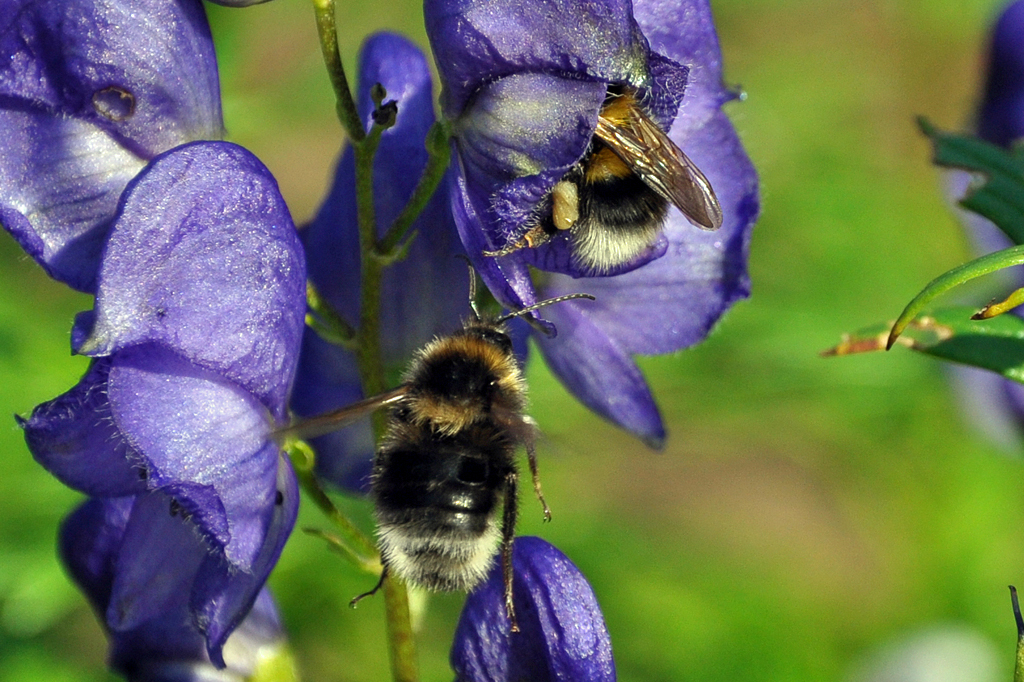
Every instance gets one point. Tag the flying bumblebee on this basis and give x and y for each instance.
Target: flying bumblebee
(448, 457)
(613, 203)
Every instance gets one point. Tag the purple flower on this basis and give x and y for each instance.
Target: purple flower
(195, 337)
(1001, 115)
(995, 404)
(97, 544)
(523, 113)
(424, 295)
(91, 91)
(562, 634)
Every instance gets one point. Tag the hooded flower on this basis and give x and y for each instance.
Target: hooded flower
(424, 295)
(90, 92)
(562, 634)
(523, 112)
(195, 337)
(994, 403)
(97, 546)
(1001, 115)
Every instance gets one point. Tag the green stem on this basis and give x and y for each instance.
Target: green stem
(326, 321)
(369, 357)
(438, 153)
(363, 550)
(345, 106)
(400, 634)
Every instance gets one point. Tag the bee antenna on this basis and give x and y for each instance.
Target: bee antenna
(543, 303)
(472, 284)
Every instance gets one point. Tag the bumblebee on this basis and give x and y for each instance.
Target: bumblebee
(447, 460)
(614, 202)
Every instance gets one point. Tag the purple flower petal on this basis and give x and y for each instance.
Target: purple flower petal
(1001, 116)
(222, 595)
(507, 277)
(73, 437)
(148, 553)
(684, 32)
(480, 41)
(156, 564)
(527, 123)
(89, 541)
(599, 372)
(262, 626)
(562, 632)
(90, 90)
(204, 258)
(205, 442)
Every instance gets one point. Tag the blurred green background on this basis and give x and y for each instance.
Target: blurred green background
(806, 513)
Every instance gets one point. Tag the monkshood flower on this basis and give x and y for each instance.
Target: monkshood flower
(995, 404)
(96, 545)
(1001, 115)
(195, 338)
(425, 294)
(562, 633)
(90, 92)
(524, 83)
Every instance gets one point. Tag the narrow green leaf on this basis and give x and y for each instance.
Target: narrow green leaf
(1000, 198)
(995, 344)
(964, 273)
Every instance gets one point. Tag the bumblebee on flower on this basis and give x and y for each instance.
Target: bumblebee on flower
(537, 133)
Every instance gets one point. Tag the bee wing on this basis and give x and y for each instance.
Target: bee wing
(340, 418)
(521, 427)
(662, 166)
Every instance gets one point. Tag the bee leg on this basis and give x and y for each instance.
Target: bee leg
(532, 239)
(508, 534)
(531, 456)
(376, 588)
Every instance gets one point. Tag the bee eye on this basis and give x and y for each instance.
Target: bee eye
(472, 471)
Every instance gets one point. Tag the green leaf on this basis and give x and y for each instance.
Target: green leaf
(1000, 198)
(995, 344)
(984, 265)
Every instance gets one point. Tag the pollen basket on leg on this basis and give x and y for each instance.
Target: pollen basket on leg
(565, 205)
